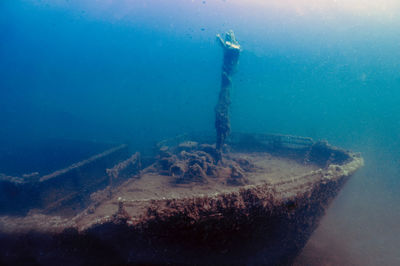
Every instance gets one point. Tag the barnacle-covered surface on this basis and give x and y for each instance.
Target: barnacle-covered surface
(171, 215)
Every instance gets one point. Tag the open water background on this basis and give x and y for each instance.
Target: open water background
(140, 71)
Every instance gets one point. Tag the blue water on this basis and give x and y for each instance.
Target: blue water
(139, 71)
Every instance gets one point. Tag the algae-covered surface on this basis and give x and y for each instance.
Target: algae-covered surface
(151, 185)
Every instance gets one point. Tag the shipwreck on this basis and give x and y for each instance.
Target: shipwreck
(244, 199)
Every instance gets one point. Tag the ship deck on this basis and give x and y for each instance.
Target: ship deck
(136, 193)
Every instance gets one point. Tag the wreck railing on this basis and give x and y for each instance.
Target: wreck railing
(70, 186)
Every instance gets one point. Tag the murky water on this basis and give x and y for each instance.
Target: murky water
(139, 71)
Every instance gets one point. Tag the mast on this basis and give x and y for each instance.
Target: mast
(231, 49)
